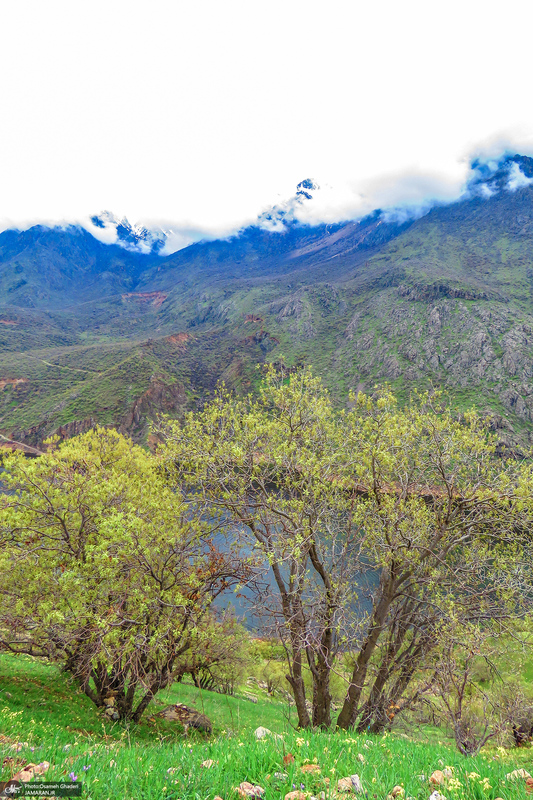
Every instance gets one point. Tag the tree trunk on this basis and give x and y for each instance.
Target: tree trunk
(348, 713)
(321, 694)
(296, 681)
(322, 664)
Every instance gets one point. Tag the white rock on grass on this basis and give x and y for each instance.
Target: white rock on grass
(436, 796)
(516, 774)
(262, 733)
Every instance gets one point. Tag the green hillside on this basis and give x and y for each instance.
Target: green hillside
(445, 301)
(44, 719)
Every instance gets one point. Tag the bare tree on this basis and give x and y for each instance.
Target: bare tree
(458, 697)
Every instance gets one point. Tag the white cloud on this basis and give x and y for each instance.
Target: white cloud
(517, 179)
(195, 116)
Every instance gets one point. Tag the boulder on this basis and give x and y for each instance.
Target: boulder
(188, 717)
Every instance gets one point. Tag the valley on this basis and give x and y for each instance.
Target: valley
(98, 333)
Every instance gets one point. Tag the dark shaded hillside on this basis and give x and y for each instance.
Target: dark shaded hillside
(54, 268)
(100, 333)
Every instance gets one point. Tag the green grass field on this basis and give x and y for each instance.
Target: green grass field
(44, 718)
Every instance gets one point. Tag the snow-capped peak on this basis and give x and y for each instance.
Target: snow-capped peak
(132, 237)
(278, 217)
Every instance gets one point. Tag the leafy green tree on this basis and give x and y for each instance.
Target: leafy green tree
(103, 568)
(381, 527)
(269, 469)
(446, 530)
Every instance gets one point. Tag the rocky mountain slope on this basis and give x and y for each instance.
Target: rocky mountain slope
(90, 331)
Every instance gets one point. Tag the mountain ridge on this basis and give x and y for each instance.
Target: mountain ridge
(101, 333)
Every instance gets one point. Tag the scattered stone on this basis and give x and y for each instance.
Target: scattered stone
(280, 776)
(529, 785)
(436, 796)
(310, 768)
(262, 733)
(110, 710)
(516, 774)
(448, 772)
(189, 717)
(217, 797)
(251, 697)
(437, 777)
(18, 746)
(247, 789)
(361, 758)
(288, 759)
(350, 784)
(30, 771)
(398, 791)
(208, 764)
(297, 795)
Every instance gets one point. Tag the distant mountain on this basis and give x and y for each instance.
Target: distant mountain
(53, 268)
(103, 332)
(507, 173)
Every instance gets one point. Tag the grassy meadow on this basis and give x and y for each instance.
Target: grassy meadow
(44, 718)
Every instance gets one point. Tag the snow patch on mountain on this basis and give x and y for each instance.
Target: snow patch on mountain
(277, 218)
(107, 227)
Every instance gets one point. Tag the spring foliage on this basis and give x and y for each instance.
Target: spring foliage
(384, 528)
(102, 568)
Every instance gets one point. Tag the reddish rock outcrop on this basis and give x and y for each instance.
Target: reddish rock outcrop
(154, 298)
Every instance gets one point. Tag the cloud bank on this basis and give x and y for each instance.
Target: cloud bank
(399, 196)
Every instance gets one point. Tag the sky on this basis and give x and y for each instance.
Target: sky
(198, 115)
